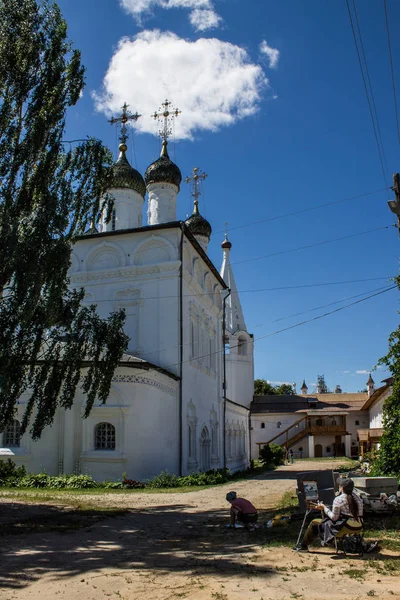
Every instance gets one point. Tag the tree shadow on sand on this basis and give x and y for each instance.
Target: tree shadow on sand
(164, 539)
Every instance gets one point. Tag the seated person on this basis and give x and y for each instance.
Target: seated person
(347, 511)
(242, 510)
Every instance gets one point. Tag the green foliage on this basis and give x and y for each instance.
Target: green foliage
(387, 461)
(263, 388)
(9, 470)
(48, 195)
(12, 476)
(273, 454)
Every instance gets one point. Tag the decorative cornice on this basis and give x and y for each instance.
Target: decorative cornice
(145, 381)
(121, 272)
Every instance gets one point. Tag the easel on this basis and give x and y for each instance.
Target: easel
(310, 492)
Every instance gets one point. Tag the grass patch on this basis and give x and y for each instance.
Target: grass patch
(357, 574)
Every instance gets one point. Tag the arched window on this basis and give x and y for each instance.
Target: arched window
(104, 437)
(279, 425)
(227, 347)
(262, 425)
(11, 435)
(242, 346)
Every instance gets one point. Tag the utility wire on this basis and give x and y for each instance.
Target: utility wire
(286, 328)
(256, 290)
(392, 70)
(322, 306)
(305, 210)
(366, 90)
(328, 313)
(370, 84)
(344, 237)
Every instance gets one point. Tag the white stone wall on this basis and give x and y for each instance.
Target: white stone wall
(240, 368)
(237, 437)
(271, 429)
(202, 365)
(143, 409)
(375, 411)
(162, 203)
(138, 272)
(128, 208)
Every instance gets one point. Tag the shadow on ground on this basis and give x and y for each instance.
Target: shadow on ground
(159, 538)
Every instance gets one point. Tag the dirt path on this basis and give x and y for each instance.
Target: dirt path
(171, 546)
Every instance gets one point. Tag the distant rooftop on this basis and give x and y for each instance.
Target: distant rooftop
(308, 402)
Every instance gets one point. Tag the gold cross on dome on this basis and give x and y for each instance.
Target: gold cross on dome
(166, 116)
(226, 228)
(195, 181)
(124, 119)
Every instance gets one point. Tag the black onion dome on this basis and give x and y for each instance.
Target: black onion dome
(163, 170)
(125, 176)
(226, 243)
(197, 224)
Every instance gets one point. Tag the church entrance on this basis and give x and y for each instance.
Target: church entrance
(205, 450)
(318, 451)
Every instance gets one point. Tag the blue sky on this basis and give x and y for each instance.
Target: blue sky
(274, 110)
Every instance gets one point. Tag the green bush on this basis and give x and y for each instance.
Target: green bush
(9, 470)
(12, 476)
(273, 454)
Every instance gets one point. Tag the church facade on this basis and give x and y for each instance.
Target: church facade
(181, 395)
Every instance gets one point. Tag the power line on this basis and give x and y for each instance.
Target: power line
(344, 237)
(305, 210)
(366, 90)
(286, 328)
(328, 313)
(278, 331)
(256, 290)
(323, 306)
(392, 70)
(370, 84)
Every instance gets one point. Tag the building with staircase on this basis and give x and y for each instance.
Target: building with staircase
(320, 425)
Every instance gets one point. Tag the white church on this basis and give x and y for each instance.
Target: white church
(168, 407)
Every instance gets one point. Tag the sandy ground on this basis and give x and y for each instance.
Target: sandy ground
(171, 546)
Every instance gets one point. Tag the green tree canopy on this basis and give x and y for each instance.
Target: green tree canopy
(48, 195)
(388, 460)
(263, 388)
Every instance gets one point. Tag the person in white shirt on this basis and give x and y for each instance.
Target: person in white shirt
(347, 510)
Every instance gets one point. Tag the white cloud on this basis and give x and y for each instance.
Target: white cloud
(271, 53)
(202, 15)
(363, 372)
(279, 382)
(213, 83)
(204, 19)
(346, 372)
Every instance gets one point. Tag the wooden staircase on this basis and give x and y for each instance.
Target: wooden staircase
(294, 437)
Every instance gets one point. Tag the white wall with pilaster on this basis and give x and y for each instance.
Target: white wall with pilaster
(128, 210)
(161, 203)
(137, 271)
(274, 423)
(202, 365)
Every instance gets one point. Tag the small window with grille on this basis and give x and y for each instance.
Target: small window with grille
(113, 219)
(12, 435)
(104, 437)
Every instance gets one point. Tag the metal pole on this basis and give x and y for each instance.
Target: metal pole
(224, 366)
